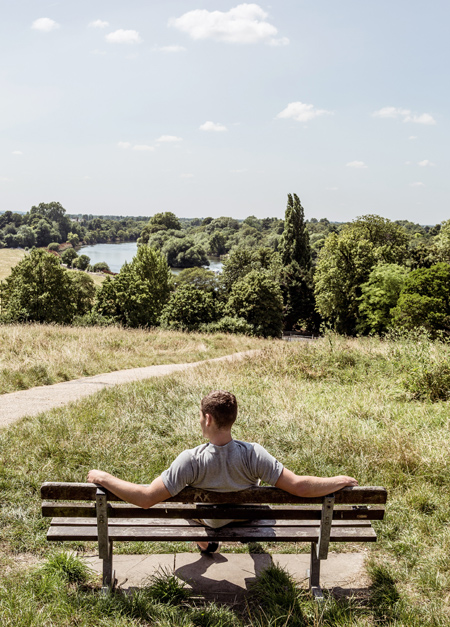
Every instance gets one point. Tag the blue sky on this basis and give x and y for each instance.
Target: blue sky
(212, 107)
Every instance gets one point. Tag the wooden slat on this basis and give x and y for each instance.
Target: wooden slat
(227, 534)
(350, 496)
(169, 510)
(182, 522)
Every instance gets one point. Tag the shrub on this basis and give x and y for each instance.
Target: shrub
(228, 324)
(258, 300)
(53, 246)
(100, 266)
(189, 307)
(68, 256)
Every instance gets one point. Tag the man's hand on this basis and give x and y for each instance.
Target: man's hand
(97, 476)
(347, 482)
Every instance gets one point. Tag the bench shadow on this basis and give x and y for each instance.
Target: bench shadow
(215, 586)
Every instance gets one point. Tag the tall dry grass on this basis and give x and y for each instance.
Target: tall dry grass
(37, 354)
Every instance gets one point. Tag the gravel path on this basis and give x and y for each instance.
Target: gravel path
(31, 402)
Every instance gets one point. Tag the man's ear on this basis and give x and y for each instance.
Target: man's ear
(208, 420)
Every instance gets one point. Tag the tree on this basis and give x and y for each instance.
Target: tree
(189, 307)
(425, 300)
(137, 295)
(258, 300)
(379, 295)
(68, 256)
(73, 239)
(82, 262)
(84, 292)
(294, 243)
(241, 261)
(201, 278)
(167, 219)
(345, 263)
(184, 253)
(296, 277)
(39, 290)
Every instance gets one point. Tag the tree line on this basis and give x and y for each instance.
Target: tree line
(49, 223)
(362, 277)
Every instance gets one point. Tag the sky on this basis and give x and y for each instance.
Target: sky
(214, 107)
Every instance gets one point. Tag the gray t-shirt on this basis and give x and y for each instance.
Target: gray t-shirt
(229, 468)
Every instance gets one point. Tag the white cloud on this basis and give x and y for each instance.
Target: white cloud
(243, 24)
(356, 164)
(412, 137)
(417, 184)
(98, 24)
(96, 51)
(332, 189)
(170, 48)
(426, 163)
(404, 114)
(17, 152)
(213, 126)
(408, 162)
(169, 138)
(4, 179)
(123, 37)
(238, 171)
(187, 176)
(143, 147)
(301, 112)
(123, 145)
(45, 24)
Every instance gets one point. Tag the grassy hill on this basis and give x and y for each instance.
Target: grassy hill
(359, 407)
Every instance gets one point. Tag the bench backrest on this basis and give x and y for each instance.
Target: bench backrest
(253, 503)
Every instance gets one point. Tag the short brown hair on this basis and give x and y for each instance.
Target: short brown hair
(222, 406)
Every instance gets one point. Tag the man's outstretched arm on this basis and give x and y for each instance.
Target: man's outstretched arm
(143, 496)
(312, 486)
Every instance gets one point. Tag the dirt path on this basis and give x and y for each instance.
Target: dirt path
(31, 402)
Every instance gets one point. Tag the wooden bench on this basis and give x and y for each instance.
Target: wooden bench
(270, 514)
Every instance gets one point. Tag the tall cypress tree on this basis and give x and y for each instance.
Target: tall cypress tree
(295, 252)
(294, 244)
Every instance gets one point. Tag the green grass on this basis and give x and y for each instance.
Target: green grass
(33, 354)
(333, 407)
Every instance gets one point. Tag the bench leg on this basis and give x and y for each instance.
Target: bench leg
(109, 578)
(314, 574)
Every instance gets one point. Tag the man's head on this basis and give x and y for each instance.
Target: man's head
(221, 406)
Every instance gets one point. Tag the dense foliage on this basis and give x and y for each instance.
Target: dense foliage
(366, 276)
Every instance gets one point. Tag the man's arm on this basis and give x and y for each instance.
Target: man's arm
(143, 496)
(312, 486)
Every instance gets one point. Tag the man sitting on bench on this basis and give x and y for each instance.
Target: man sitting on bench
(221, 465)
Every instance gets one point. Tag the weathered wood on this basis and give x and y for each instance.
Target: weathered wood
(226, 534)
(249, 512)
(325, 527)
(350, 496)
(182, 522)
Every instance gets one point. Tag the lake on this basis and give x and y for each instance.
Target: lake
(115, 255)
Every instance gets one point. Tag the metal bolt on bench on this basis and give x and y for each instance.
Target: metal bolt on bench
(270, 514)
